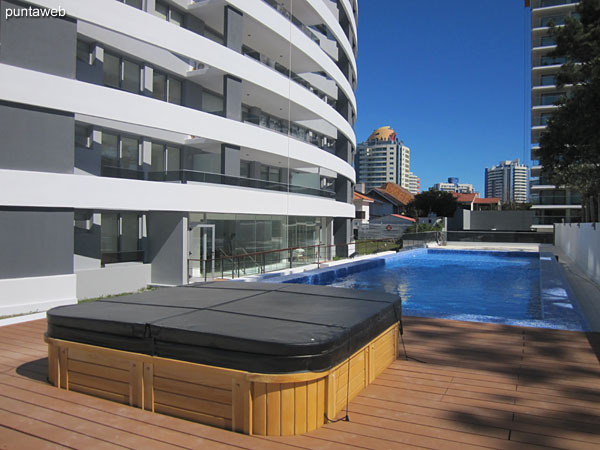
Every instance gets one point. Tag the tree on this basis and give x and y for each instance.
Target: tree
(570, 146)
(442, 203)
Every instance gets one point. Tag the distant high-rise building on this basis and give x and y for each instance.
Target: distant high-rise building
(508, 181)
(382, 158)
(453, 185)
(414, 184)
(552, 204)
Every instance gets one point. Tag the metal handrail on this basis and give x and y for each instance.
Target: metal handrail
(239, 268)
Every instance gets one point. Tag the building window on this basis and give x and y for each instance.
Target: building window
(212, 103)
(120, 238)
(83, 136)
(547, 40)
(84, 51)
(121, 73)
(214, 35)
(120, 157)
(83, 220)
(165, 159)
(135, 3)
(166, 88)
(168, 13)
(548, 80)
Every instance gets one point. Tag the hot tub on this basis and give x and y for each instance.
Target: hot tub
(259, 358)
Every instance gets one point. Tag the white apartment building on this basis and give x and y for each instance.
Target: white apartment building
(553, 204)
(382, 158)
(454, 186)
(508, 181)
(162, 142)
(414, 184)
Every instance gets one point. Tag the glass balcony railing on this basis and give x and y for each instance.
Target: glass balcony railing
(296, 131)
(247, 51)
(547, 99)
(184, 176)
(551, 60)
(288, 15)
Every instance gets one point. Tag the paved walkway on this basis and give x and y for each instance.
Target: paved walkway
(464, 386)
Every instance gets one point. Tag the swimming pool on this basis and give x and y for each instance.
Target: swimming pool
(517, 288)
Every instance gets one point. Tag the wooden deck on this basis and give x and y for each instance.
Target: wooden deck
(464, 386)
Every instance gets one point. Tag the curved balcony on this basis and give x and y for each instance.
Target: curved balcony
(146, 28)
(74, 96)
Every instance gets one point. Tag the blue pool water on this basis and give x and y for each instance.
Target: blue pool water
(514, 288)
(449, 285)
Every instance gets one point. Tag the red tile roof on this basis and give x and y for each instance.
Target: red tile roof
(397, 192)
(491, 200)
(404, 217)
(465, 198)
(359, 196)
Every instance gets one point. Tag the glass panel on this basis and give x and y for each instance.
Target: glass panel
(159, 86)
(158, 158)
(212, 103)
(82, 135)
(110, 150)
(129, 153)
(176, 17)
(129, 232)
(213, 36)
(83, 51)
(109, 233)
(111, 70)
(174, 91)
(548, 80)
(244, 169)
(273, 174)
(131, 77)
(135, 3)
(161, 10)
(547, 40)
(173, 158)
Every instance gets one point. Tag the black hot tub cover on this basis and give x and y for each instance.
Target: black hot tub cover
(257, 327)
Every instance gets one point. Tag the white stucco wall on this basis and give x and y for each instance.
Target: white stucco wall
(581, 243)
(112, 279)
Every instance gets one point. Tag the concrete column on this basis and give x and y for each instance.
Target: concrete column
(150, 6)
(147, 75)
(146, 156)
(230, 160)
(168, 247)
(233, 28)
(232, 97)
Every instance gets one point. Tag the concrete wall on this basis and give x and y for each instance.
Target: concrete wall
(36, 139)
(36, 294)
(581, 243)
(491, 220)
(112, 279)
(35, 243)
(42, 44)
(168, 247)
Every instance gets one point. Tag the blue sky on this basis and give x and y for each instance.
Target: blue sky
(450, 78)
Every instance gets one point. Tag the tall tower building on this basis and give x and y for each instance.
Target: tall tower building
(553, 204)
(382, 158)
(157, 141)
(507, 181)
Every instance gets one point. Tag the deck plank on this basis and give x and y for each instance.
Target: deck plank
(464, 386)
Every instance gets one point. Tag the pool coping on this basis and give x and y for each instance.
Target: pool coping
(558, 300)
